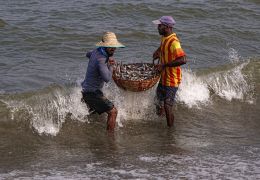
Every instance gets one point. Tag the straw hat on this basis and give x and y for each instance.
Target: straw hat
(109, 40)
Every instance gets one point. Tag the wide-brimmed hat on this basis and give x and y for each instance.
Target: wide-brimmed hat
(109, 40)
(166, 20)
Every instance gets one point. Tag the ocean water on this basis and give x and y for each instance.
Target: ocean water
(47, 133)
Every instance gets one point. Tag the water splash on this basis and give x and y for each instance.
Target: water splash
(48, 110)
(233, 56)
(50, 117)
(193, 91)
(230, 85)
(131, 105)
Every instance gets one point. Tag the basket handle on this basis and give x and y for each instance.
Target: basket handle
(156, 59)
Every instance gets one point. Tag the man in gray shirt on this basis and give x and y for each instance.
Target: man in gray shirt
(99, 71)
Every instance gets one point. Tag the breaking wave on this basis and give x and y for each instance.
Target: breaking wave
(46, 110)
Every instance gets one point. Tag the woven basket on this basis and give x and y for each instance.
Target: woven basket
(136, 85)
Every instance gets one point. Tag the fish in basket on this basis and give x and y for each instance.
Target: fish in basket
(135, 77)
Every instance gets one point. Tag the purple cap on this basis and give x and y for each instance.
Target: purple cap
(166, 20)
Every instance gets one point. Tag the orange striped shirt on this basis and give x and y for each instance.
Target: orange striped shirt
(170, 50)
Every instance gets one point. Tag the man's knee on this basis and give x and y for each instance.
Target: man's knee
(113, 111)
(168, 102)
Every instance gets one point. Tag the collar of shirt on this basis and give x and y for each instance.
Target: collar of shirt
(103, 52)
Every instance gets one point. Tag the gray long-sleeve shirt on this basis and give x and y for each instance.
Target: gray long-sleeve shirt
(98, 71)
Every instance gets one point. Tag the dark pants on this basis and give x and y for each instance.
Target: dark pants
(166, 94)
(97, 102)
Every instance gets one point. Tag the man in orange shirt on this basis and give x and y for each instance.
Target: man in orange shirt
(171, 57)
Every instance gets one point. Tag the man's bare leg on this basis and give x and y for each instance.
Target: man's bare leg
(111, 119)
(169, 114)
(160, 109)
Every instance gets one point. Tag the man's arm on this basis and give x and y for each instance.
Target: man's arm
(156, 54)
(177, 62)
(104, 70)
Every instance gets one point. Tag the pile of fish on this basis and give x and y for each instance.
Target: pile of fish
(135, 72)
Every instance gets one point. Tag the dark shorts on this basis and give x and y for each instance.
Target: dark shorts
(97, 102)
(166, 94)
